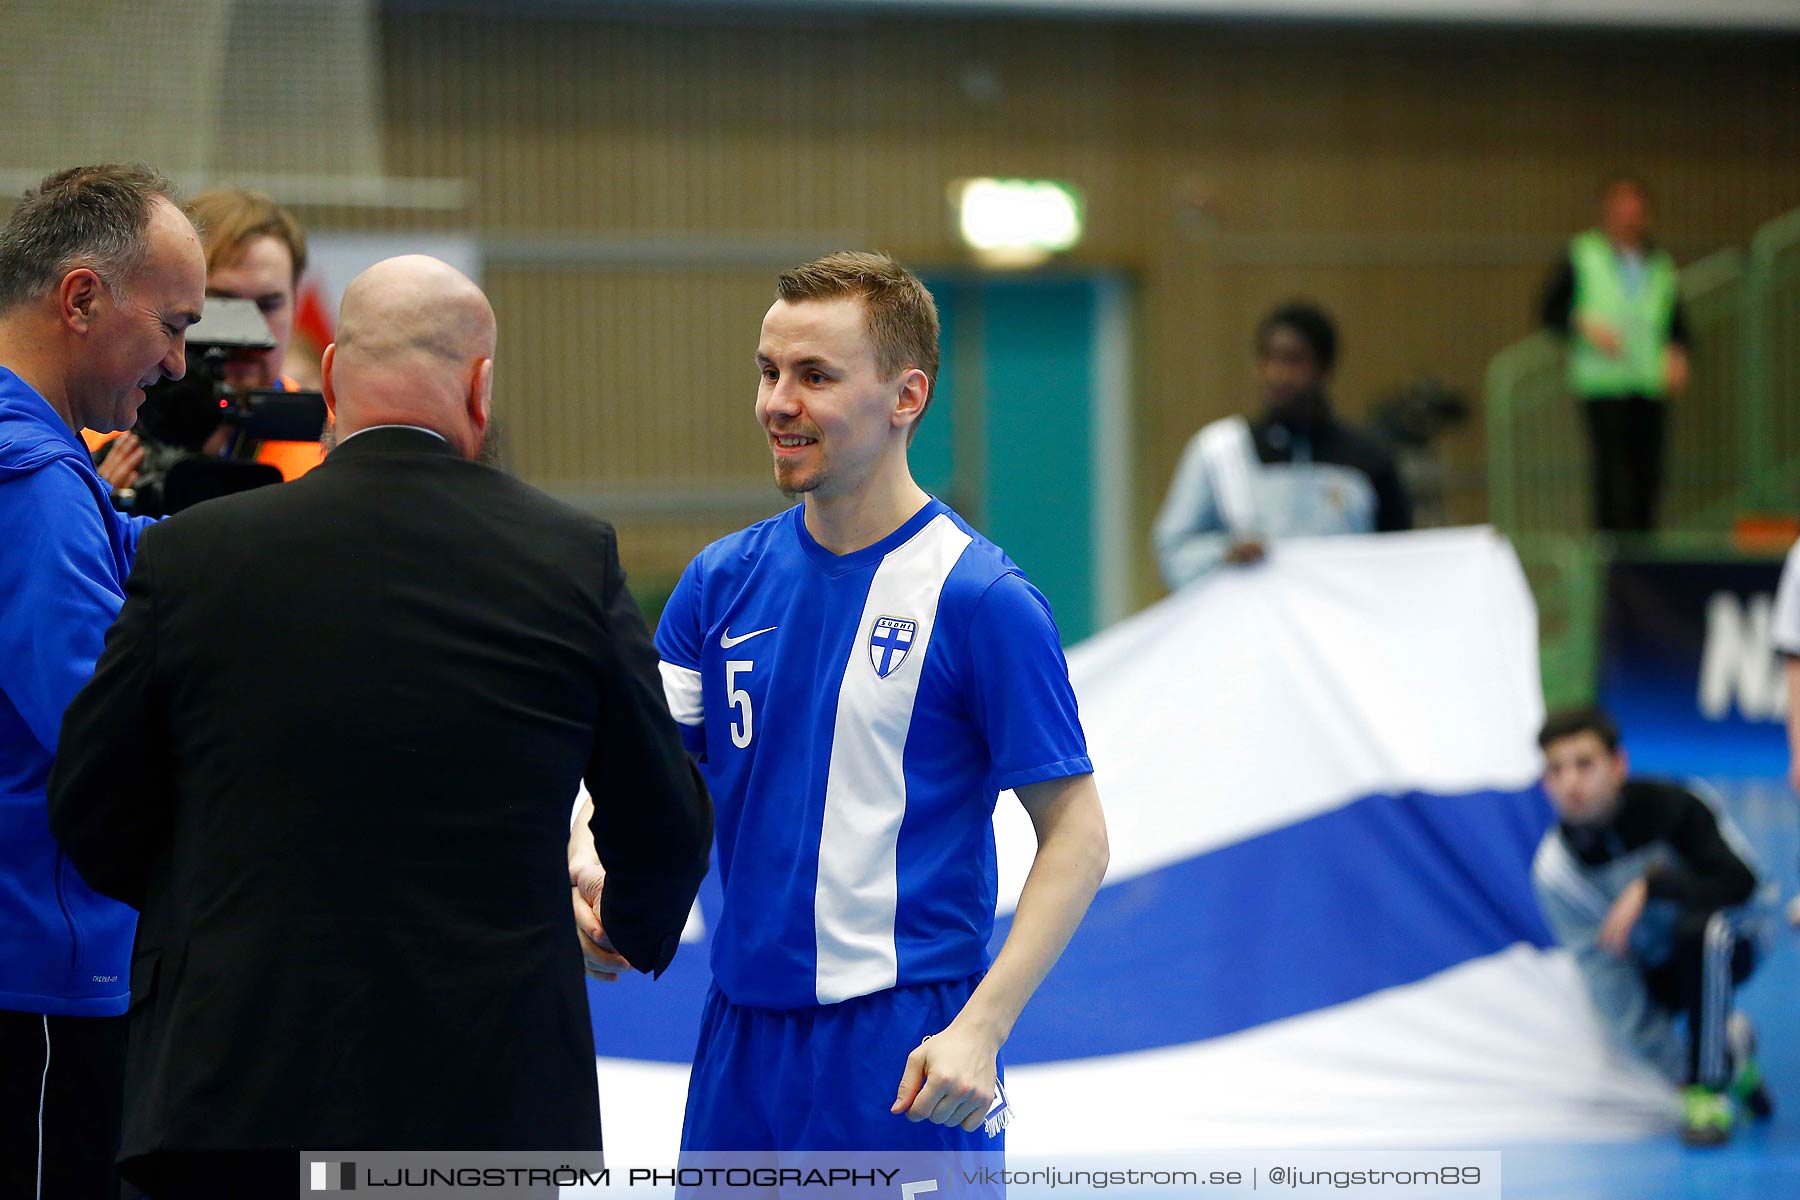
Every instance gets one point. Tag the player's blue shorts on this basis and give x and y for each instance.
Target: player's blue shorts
(820, 1079)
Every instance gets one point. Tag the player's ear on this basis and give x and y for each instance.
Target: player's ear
(913, 395)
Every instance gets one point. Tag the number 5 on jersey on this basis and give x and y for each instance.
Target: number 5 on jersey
(740, 737)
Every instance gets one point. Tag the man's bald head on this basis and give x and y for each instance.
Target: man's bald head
(415, 346)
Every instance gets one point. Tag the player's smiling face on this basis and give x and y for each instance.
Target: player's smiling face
(828, 414)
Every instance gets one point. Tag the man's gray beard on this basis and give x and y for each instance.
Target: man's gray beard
(493, 446)
(328, 439)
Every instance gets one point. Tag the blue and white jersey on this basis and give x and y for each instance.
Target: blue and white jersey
(856, 717)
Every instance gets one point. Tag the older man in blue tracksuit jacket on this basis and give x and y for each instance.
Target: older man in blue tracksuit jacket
(66, 949)
(62, 580)
(84, 327)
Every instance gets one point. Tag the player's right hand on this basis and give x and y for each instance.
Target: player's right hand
(602, 962)
(950, 1079)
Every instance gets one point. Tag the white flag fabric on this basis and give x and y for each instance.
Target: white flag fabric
(1320, 780)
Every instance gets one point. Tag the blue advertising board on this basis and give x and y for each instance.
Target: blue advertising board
(1688, 667)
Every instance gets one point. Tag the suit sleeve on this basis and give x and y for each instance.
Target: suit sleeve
(652, 821)
(111, 790)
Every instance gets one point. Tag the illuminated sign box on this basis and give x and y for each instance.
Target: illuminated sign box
(1017, 222)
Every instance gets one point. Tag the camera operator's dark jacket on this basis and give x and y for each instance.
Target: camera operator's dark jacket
(330, 751)
(64, 555)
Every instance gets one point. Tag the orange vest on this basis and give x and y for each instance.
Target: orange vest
(292, 459)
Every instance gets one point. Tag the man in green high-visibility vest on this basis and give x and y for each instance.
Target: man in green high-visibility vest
(1615, 297)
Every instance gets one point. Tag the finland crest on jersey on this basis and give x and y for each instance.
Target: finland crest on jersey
(889, 641)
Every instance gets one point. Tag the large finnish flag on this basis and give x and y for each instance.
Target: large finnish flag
(1318, 928)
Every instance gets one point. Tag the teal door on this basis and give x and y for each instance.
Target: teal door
(1027, 436)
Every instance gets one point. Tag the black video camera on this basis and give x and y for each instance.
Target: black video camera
(178, 418)
(186, 412)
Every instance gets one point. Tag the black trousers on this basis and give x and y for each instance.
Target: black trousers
(1700, 978)
(61, 1096)
(1625, 436)
(216, 1175)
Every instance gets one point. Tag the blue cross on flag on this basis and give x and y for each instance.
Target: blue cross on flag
(889, 641)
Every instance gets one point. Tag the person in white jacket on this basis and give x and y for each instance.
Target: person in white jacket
(1296, 470)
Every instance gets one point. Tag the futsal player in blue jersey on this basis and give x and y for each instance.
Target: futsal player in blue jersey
(860, 677)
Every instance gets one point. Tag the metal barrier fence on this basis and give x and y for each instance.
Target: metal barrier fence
(1772, 395)
(1733, 443)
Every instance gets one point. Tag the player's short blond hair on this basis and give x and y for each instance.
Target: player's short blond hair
(899, 313)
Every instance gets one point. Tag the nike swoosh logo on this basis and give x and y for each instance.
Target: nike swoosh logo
(727, 641)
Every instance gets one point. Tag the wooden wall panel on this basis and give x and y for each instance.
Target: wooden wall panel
(1417, 182)
(630, 376)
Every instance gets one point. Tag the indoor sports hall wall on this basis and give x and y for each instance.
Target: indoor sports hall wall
(1418, 182)
(636, 173)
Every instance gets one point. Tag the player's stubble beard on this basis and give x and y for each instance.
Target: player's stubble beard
(793, 480)
(794, 483)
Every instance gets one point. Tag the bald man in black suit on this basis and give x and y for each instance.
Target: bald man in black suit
(330, 752)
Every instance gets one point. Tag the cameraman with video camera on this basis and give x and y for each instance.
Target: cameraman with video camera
(255, 253)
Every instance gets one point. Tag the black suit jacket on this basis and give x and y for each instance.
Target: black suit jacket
(330, 752)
